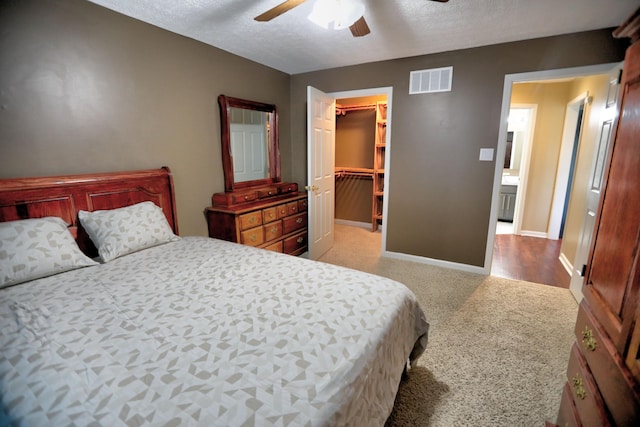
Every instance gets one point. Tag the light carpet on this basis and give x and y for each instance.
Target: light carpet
(498, 348)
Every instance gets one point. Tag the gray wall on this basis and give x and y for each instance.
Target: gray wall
(440, 194)
(84, 89)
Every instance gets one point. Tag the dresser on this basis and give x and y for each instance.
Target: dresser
(276, 223)
(603, 374)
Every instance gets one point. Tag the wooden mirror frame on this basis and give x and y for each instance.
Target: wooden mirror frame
(273, 150)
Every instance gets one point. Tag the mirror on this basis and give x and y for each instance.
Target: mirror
(250, 153)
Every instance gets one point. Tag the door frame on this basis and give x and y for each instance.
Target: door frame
(509, 80)
(569, 131)
(379, 91)
(524, 163)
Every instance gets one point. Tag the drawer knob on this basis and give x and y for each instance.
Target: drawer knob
(299, 220)
(253, 238)
(578, 387)
(274, 230)
(252, 220)
(300, 240)
(588, 340)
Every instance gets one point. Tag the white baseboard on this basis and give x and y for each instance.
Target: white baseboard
(528, 233)
(436, 262)
(566, 263)
(352, 223)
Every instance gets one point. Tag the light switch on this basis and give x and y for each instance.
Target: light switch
(486, 154)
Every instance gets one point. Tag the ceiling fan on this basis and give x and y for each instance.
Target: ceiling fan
(358, 28)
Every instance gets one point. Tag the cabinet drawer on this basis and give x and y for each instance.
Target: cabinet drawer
(245, 197)
(288, 188)
(613, 378)
(294, 223)
(272, 230)
(302, 205)
(296, 243)
(567, 415)
(269, 214)
(584, 391)
(292, 208)
(275, 247)
(267, 192)
(281, 211)
(250, 220)
(252, 237)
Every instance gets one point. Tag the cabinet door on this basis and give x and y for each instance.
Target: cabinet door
(611, 287)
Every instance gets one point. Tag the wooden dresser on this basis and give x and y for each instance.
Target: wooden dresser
(603, 376)
(274, 223)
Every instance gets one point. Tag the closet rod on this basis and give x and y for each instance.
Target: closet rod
(343, 109)
(342, 172)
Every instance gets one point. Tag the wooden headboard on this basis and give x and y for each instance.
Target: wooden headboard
(64, 196)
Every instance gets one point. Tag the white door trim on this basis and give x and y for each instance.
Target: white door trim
(388, 92)
(524, 164)
(564, 162)
(509, 80)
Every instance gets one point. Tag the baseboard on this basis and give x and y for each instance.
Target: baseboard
(366, 225)
(528, 233)
(566, 263)
(435, 262)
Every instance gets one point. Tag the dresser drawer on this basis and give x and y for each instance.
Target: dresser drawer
(294, 223)
(275, 247)
(267, 192)
(269, 214)
(567, 416)
(302, 205)
(292, 208)
(250, 220)
(252, 237)
(584, 392)
(272, 230)
(282, 211)
(296, 244)
(611, 375)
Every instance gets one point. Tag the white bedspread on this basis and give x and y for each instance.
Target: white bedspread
(205, 332)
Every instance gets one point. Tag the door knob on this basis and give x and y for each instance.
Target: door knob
(312, 188)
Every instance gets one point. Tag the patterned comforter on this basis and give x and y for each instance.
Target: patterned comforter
(205, 332)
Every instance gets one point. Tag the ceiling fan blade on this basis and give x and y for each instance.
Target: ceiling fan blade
(441, 1)
(360, 28)
(278, 10)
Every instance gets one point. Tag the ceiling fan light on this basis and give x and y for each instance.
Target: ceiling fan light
(336, 14)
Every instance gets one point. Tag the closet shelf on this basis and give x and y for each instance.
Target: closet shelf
(345, 171)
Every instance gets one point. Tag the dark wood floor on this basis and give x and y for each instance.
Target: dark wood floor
(529, 258)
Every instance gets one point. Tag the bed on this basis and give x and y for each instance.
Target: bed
(183, 330)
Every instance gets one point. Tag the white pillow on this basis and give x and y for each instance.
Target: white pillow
(118, 232)
(35, 248)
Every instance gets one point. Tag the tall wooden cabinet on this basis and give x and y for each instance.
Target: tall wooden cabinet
(603, 375)
(378, 165)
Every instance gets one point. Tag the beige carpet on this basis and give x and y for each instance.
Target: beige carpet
(498, 348)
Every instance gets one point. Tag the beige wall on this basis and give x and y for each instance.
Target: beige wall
(84, 89)
(551, 101)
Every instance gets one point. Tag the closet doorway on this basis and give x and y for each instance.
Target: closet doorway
(361, 156)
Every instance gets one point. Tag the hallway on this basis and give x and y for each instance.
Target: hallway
(531, 259)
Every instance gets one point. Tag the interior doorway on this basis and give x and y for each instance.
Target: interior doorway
(362, 166)
(551, 181)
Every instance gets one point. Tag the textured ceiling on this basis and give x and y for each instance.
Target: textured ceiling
(399, 28)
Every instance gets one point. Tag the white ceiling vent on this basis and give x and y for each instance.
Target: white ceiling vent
(429, 81)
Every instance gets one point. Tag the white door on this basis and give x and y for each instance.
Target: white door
(608, 117)
(321, 141)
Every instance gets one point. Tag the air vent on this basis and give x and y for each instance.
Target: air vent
(429, 81)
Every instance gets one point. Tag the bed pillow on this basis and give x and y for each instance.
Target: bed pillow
(121, 231)
(35, 248)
